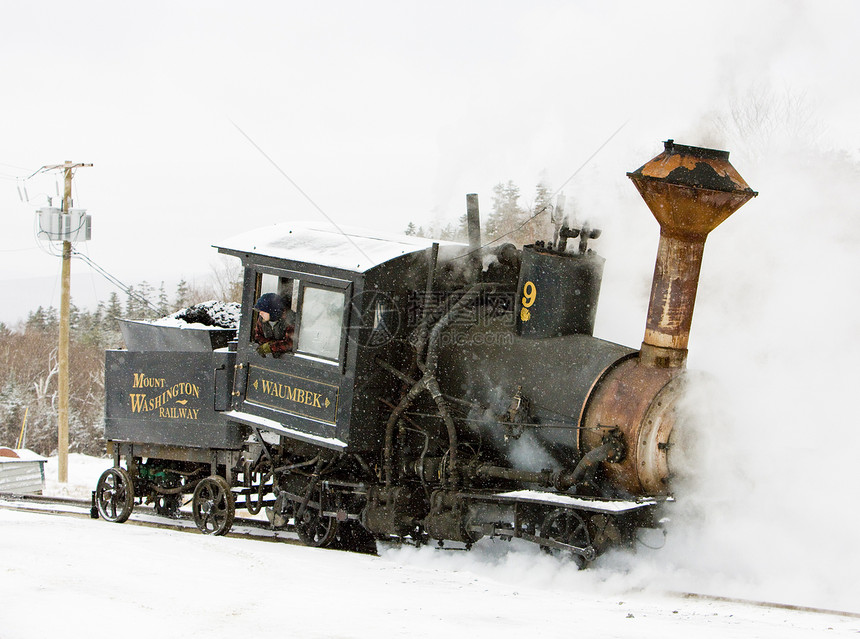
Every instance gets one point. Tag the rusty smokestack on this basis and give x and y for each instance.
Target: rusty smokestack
(690, 190)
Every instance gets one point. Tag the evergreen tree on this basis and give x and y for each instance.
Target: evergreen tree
(182, 294)
(98, 315)
(138, 304)
(410, 229)
(541, 227)
(543, 199)
(461, 234)
(35, 320)
(13, 403)
(163, 303)
(42, 320)
(506, 214)
(112, 313)
(146, 297)
(74, 317)
(52, 320)
(131, 302)
(89, 329)
(446, 233)
(109, 327)
(93, 333)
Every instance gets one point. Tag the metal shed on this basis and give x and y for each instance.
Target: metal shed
(21, 471)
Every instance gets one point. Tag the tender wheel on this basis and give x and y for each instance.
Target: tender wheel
(567, 527)
(115, 495)
(213, 506)
(314, 528)
(168, 505)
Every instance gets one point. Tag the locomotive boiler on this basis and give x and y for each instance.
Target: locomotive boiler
(430, 391)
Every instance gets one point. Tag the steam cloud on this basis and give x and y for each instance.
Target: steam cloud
(766, 464)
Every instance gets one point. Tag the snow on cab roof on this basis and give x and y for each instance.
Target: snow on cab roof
(349, 248)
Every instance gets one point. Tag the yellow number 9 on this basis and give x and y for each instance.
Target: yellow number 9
(529, 294)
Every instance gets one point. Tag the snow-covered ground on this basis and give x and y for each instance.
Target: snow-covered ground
(84, 473)
(79, 577)
(84, 578)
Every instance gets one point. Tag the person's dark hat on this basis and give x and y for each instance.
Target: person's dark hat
(272, 304)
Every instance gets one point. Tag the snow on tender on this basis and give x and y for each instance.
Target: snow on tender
(211, 314)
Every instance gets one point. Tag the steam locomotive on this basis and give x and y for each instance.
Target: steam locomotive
(432, 390)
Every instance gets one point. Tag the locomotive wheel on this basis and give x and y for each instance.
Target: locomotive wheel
(567, 527)
(115, 495)
(168, 505)
(314, 528)
(213, 506)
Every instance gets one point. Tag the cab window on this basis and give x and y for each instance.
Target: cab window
(320, 324)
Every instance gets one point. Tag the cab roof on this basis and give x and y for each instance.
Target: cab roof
(346, 248)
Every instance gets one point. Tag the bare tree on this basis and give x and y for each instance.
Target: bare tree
(761, 119)
(227, 279)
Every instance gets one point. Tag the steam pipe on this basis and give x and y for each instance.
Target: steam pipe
(388, 450)
(562, 480)
(489, 471)
(586, 465)
(429, 383)
(432, 364)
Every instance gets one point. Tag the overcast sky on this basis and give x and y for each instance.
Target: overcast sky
(384, 113)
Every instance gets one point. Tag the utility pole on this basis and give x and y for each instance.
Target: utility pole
(63, 356)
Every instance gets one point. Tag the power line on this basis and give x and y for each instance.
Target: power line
(30, 248)
(51, 248)
(92, 279)
(112, 279)
(15, 166)
(306, 196)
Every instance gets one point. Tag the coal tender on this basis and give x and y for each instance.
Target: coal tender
(421, 391)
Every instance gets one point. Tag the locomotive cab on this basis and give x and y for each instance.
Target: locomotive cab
(348, 294)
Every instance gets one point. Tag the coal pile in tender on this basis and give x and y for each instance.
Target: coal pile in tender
(211, 313)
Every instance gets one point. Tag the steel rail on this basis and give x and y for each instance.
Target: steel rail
(765, 604)
(146, 516)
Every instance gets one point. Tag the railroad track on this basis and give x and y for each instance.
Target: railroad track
(244, 528)
(766, 604)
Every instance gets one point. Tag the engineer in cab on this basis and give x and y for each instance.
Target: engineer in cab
(273, 330)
